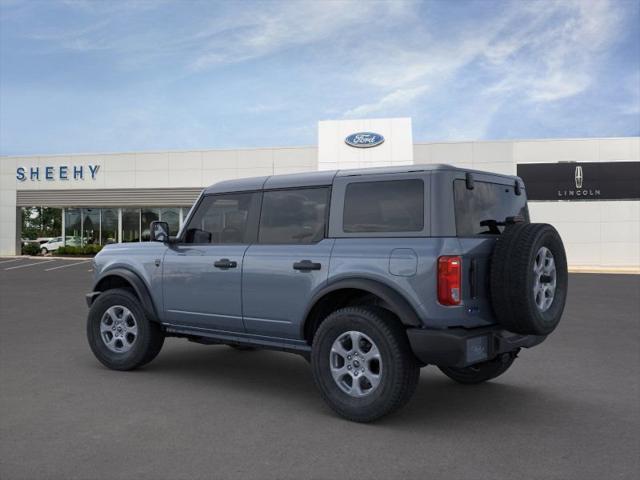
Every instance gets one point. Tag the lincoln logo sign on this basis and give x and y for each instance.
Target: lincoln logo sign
(579, 177)
(581, 181)
(60, 172)
(364, 140)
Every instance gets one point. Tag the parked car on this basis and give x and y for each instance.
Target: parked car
(55, 243)
(369, 274)
(52, 245)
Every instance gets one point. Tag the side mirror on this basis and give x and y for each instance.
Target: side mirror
(159, 232)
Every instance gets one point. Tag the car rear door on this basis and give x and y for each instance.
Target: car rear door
(289, 262)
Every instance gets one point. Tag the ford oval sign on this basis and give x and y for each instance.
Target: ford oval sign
(364, 139)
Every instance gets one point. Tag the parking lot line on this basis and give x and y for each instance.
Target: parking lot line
(65, 266)
(9, 261)
(30, 264)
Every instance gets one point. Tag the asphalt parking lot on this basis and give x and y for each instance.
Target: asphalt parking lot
(567, 409)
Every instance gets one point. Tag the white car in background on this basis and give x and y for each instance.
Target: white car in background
(56, 242)
(52, 245)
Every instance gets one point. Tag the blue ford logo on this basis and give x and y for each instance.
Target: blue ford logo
(364, 139)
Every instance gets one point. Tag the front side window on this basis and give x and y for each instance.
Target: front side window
(384, 206)
(293, 216)
(221, 219)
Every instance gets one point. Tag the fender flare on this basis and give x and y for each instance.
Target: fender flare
(138, 285)
(396, 302)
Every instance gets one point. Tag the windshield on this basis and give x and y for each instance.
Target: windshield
(486, 204)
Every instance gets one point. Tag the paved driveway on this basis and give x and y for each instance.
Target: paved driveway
(567, 409)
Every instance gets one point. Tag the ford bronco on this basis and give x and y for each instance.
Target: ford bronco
(370, 274)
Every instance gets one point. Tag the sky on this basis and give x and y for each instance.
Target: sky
(85, 76)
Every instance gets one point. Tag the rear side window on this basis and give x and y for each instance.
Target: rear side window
(486, 202)
(385, 206)
(295, 216)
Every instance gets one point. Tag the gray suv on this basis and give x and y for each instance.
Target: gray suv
(370, 274)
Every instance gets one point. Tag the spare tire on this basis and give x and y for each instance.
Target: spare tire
(528, 280)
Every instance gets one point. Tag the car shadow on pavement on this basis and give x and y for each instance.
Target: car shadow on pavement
(438, 401)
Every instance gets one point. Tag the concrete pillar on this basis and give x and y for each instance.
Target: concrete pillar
(9, 239)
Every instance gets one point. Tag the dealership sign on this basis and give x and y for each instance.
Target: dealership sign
(364, 140)
(581, 180)
(61, 172)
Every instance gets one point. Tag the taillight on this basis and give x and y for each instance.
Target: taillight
(449, 280)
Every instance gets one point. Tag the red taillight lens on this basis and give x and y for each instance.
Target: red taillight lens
(449, 280)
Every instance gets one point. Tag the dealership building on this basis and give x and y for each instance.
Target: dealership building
(588, 188)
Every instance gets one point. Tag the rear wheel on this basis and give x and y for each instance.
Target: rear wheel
(481, 372)
(119, 332)
(362, 363)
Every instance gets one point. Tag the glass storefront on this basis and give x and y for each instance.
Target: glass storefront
(130, 225)
(109, 226)
(72, 226)
(148, 215)
(172, 217)
(88, 226)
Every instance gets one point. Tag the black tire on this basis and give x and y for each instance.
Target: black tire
(399, 372)
(44, 251)
(512, 279)
(148, 341)
(481, 372)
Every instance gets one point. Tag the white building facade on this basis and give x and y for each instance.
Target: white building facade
(587, 188)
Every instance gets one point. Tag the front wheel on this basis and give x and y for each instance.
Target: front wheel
(481, 372)
(44, 251)
(363, 364)
(119, 332)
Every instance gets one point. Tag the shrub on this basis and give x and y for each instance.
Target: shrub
(31, 249)
(84, 250)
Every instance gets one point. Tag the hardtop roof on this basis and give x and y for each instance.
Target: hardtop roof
(325, 177)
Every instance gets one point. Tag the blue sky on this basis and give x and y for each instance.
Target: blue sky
(103, 76)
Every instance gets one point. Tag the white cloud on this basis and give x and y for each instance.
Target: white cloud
(539, 52)
(398, 98)
(284, 25)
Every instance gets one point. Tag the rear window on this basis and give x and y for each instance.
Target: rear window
(487, 201)
(385, 206)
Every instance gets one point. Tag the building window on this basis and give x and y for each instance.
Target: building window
(90, 226)
(109, 226)
(73, 226)
(148, 215)
(172, 217)
(130, 224)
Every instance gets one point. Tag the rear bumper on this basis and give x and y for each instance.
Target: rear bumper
(459, 347)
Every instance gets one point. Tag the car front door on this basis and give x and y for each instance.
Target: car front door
(202, 272)
(288, 263)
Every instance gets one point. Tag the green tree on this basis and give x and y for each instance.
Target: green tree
(41, 222)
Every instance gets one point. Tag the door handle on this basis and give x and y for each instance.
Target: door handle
(306, 265)
(225, 263)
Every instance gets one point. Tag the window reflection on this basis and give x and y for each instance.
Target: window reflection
(72, 226)
(130, 224)
(109, 226)
(172, 217)
(90, 226)
(148, 215)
